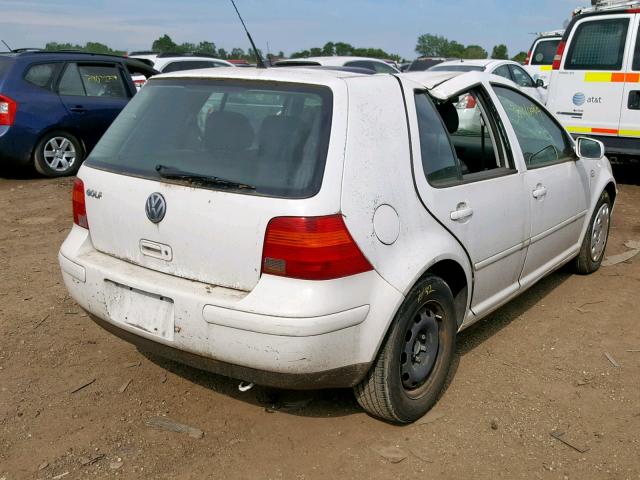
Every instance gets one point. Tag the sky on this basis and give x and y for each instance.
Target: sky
(288, 26)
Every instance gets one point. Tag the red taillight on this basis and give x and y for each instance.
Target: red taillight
(79, 206)
(526, 62)
(467, 101)
(557, 60)
(8, 108)
(311, 248)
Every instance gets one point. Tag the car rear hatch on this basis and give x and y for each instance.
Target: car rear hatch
(188, 177)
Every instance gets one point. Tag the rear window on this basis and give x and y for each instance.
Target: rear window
(4, 67)
(188, 65)
(598, 45)
(457, 68)
(544, 52)
(272, 137)
(42, 75)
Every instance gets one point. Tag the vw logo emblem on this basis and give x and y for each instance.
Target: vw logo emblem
(156, 207)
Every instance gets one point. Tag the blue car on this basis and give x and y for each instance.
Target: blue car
(55, 106)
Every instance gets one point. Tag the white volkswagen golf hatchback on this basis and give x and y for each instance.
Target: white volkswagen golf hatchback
(309, 229)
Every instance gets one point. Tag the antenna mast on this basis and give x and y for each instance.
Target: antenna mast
(259, 60)
(6, 45)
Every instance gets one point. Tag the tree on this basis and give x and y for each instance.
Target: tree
(222, 53)
(500, 52)
(164, 44)
(520, 57)
(237, 53)
(432, 45)
(92, 47)
(474, 52)
(206, 47)
(343, 49)
(329, 49)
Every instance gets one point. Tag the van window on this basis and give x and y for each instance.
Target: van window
(636, 55)
(266, 138)
(598, 45)
(377, 67)
(544, 52)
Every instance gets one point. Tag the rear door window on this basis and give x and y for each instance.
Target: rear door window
(544, 52)
(42, 75)
(103, 81)
(92, 81)
(270, 138)
(503, 71)
(598, 45)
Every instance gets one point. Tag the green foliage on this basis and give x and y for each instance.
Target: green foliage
(342, 49)
(474, 52)
(92, 47)
(520, 57)
(437, 46)
(500, 52)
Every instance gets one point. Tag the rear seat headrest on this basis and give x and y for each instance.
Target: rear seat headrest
(228, 131)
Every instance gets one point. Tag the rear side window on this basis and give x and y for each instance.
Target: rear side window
(636, 55)
(598, 45)
(188, 65)
(271, 138)
(438, 158)
(42, 75)
(544, 52)
(4, 67)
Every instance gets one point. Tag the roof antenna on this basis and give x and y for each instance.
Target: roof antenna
(259, 60)
(6, 45)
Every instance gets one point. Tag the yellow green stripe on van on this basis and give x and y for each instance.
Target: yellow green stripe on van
(546, 68)
(604, 131)
(611, 77)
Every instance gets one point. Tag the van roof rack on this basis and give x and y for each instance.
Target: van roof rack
(604, 5)
(144, 52)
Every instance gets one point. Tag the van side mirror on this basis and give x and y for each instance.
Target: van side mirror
(589, 148)
(540, 83)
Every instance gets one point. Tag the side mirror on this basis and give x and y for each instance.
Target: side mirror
(589, 148)
(540, 83)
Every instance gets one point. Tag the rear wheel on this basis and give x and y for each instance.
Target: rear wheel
(58, 154)
(595, 241)
(412, 366)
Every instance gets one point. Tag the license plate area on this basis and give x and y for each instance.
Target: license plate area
(149, 312)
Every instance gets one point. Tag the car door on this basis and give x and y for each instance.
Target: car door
(94, 94)
(466, 178)
(630, 115)
(556, 183)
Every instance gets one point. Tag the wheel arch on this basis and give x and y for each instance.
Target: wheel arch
(455, 276)
(56, 128)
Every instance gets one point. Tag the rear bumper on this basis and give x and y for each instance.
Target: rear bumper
(284, 333)
(16, 146)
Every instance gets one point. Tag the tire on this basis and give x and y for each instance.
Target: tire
(592, 254)
(58, 154)
(401, 388)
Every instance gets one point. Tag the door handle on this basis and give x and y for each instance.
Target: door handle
(540, 191)
(462, 212)
(78, 109)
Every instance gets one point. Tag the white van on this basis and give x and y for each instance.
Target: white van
(595, 85)
(540, 58)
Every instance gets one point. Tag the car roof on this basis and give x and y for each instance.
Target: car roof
(474, 62)
(60, 55)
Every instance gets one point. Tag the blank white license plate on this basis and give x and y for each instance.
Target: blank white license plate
(149, 312)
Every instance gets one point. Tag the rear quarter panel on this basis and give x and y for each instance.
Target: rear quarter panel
(377, 172)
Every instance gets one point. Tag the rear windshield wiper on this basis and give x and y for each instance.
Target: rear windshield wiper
(198, 178)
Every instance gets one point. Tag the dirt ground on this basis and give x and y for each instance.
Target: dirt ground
(535, 367)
